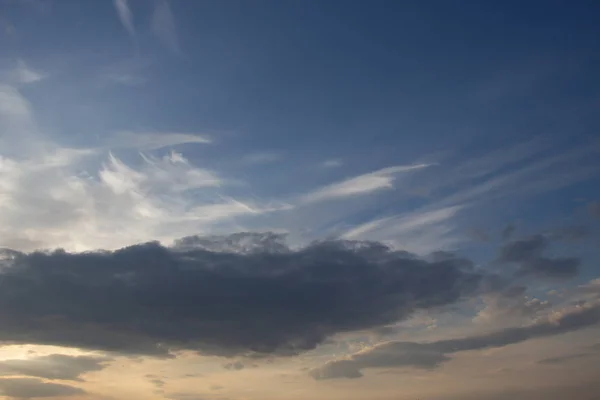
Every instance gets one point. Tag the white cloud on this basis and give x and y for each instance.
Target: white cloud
(333, 163)
(23, 73)
(362, 184)
(53, 196)
(420, 232)
(125, 16)
(154, 140)
(163, 25)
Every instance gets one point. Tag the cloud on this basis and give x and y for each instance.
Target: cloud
(234, 366)
(594, 209)
(265, 157)
(564, 359)
(508, 231)
(54, 366)
(151, 299)
(523, 249)
(333, 163)
(29, 388)
(431, 354)
(147, 141)
(420, 231)
(570, 232)
(527, 254)
(163, 25)
(362, 184)
(24, 74)
(55, 202)
(125, 16)
(511, 306)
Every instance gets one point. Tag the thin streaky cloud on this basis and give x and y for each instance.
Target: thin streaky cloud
(163, 26)
(125, 16)
(155, 140)
(362, 184)
(23, 73)
(263, 157)
(333, 163)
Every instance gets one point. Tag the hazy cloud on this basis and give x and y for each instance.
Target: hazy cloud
(527, 254)
(125, 16)
(594, 209)
(564, 359)
(54, 366)
(163, 25)
(147, 141)
(333, 163)
(24, 74)
(431, 354)
(29, 388)
(234, 366)
(264, 157)
(508, 231)
(362, 184)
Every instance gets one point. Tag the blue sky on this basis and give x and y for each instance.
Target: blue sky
(461, 127)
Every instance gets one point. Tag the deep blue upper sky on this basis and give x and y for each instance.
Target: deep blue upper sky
(287, 85)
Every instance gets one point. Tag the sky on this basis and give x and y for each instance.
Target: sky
(291, 200)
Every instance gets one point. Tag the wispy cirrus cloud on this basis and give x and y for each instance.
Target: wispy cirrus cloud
(164, 27)
(23, 73)
(333, 163)
(418, 231)
(90, 198)
(362, 184)
(147, 141)
(125, 16)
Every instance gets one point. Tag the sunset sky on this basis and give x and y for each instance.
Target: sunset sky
(297, 199)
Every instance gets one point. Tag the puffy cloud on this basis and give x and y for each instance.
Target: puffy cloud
(29, 388)
(511, 306)
(151, 299)
(54, 366)
(431, 354)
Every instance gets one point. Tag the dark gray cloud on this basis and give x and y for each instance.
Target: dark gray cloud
(564, 359)
(559, 268)
(571, 232)
(594, 209)
(523, 249)
(430, 355)
(29, 388)
(54, 366)
(527, 254)
(508, 231)
(234, 366)
(203, 295)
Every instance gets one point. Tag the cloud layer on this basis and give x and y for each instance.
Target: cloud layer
(432, 354)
